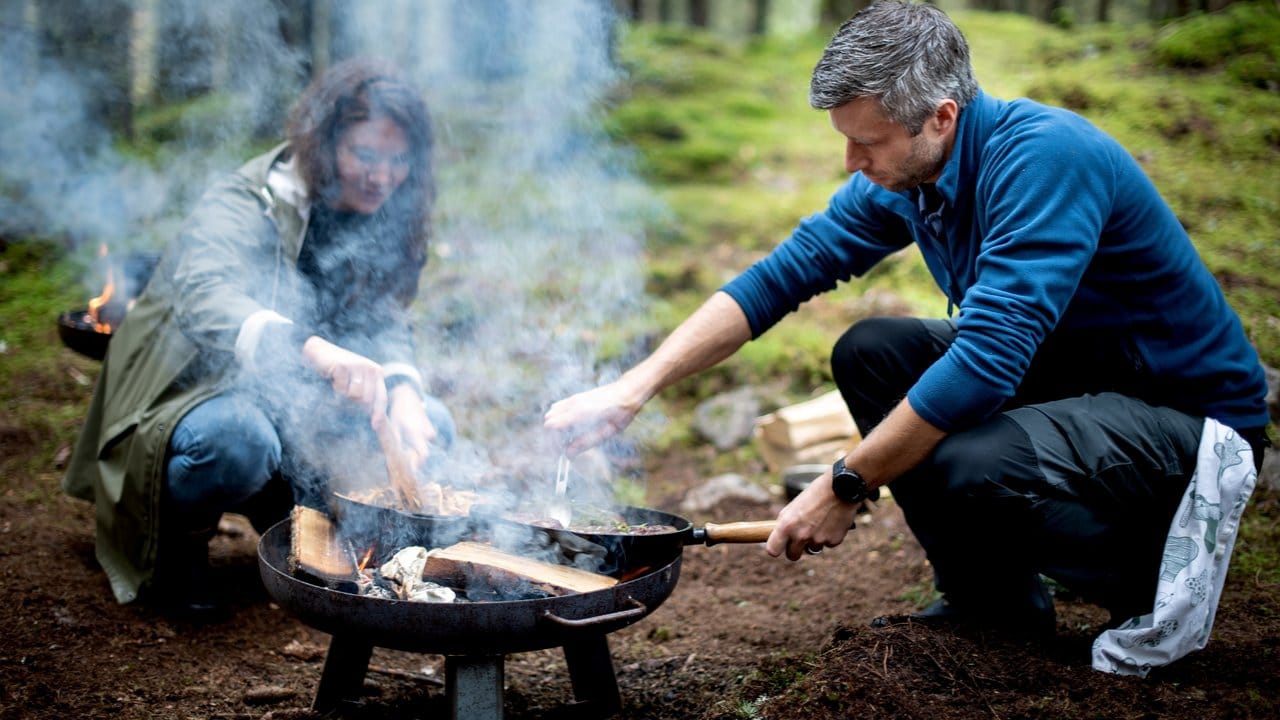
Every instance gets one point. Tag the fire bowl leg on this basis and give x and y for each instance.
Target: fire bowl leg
(473, 684)
(591, 671)
(342, 679)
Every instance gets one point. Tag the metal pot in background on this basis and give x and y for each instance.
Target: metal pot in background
(77, 329)
(797, 477)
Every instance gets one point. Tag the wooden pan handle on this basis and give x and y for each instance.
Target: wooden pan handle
(739, 532)
(398, 468)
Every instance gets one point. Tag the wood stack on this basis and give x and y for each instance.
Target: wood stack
(815, 431)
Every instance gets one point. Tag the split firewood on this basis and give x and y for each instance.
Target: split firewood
(779, 458)
(316, 547)
(802, 425)
(457, 562)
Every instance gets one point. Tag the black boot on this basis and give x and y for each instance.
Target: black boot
(1032, 622)
(182, 586)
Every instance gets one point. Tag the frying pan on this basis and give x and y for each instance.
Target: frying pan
(619, 553)
(395, 528)
(628, 552)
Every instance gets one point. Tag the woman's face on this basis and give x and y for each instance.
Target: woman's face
(373, 160)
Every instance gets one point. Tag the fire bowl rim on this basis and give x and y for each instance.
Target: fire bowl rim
(78, 336)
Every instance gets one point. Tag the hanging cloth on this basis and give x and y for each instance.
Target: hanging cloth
(1196, 555)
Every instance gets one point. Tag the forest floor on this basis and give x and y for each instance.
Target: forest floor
(741, 636)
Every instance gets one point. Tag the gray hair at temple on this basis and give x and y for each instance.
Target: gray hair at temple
(907, 55)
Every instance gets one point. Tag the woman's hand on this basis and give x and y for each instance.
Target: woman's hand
(409, 418)
(354, 377)
(590, 417)
(814, 520)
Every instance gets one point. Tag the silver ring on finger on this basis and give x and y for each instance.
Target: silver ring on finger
(813, 549)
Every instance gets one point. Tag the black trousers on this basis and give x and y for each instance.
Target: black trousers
(1075, 479)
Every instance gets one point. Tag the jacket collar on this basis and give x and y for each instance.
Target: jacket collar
(972, 131)
(274, 178)
(285, 184)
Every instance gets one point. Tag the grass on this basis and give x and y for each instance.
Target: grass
(43, 388)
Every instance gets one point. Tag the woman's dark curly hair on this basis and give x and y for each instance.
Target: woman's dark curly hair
(350, 92)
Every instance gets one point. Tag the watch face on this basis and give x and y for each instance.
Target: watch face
(847, 484)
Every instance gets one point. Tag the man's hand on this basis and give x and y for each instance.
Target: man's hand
(410, 420)
(590, 417)
(354, 377)
(712, 333)
(815, 519)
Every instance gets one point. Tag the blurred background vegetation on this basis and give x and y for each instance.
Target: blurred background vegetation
(712, 105)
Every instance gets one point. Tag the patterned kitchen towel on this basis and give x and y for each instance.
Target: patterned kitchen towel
(1196, 556)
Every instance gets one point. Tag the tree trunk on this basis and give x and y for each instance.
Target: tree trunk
(20, 58)
(343, 43)
(185, 51)
(89, 39)
(666, 11)
(296, 20)
(1051, 8)
(760, 20)
(699, 13)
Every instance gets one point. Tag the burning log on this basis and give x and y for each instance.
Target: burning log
(317, 549)
(501, 569)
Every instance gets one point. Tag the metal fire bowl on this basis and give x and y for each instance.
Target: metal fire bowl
(80, 336)
(460, 628)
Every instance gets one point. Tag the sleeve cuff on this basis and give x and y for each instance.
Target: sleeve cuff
(268, 333)
(396, 373)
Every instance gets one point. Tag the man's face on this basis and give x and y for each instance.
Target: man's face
(883, 151)
(373, 160)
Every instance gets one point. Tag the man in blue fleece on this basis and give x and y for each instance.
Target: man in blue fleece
(1050, 425)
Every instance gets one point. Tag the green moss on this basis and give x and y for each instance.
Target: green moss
(1210, 40)
(215, 121)
(44, 387)
(1255, 552)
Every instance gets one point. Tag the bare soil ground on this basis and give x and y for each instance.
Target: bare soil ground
(742, 636)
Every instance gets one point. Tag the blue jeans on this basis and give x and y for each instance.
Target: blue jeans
(224, 454)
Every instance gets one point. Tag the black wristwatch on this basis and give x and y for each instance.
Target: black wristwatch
(847, 484)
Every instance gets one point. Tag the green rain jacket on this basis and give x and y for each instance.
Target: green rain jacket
(191, 333)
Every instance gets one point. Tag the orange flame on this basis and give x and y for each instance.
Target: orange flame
(95, 304)
(364, 561)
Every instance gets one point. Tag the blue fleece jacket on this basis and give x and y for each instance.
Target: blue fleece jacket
(1047, 225)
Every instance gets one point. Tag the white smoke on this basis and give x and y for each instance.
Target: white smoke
(538, 237)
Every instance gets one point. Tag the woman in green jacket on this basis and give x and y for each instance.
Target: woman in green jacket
(271, 340)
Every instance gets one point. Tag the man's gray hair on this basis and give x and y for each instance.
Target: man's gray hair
(907, 55)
